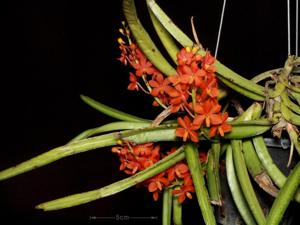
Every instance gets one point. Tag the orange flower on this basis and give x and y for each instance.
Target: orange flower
(143, 149)
(208, 62)
(150, 159)
(134, 158)
(176, 79)
(123, 48)
(129, 165)
(187, 129)
(133, 82)
(191, 74)
(143, 66)
(159, 84)
(178, 98)
(222, 127)
(179, 171)
(203, 157)
(209, 88)
(183, 192)
(121, 150)
(157, 184)
(208, 112)
(187, 180)
(185, 57)
(163, 98)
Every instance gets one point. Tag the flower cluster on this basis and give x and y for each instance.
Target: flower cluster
(135, 158)
(193, 89)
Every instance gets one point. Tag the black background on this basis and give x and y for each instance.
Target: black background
(59, 50)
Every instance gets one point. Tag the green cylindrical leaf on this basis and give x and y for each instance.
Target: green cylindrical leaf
(285, 196)
(197, 173)
(167, 206)
(274, 172)
(177, 211)
(240, 89)
(109, 111)
(290, 116)
(82, 198)
(256, 169)
(251, 159)
(244, 180)
(213, 174)
(58, 153)
(144, 40)
(236, 191)
(110, 127)
(181, 37)
(222, 71)
(164, 132)
(167, 41)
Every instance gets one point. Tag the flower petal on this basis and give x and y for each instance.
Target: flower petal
(152, 187)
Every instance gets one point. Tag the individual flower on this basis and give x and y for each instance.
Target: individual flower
(222, 127)
(156, 184)
(177, 171)
(191, 74)
(177, 98)
(208, 63)
(121, 150)
(159, 84)
(129, 165)
(203, 156)
(142, 65)
(186, 56)
(187, 180)
(209, 88)
(133, 85)
(164, 99)
(143, 149)
(150, 159)
(207, 112)
(187, 129)
(123, 48)
(183, 192)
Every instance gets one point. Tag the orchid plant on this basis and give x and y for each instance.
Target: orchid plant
(178, 154)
